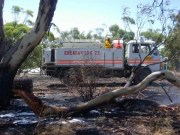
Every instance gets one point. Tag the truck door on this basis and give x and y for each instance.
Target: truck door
(137, 52)
(47, 55)
(153, 58)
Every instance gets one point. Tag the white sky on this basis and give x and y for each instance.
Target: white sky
(84, 14)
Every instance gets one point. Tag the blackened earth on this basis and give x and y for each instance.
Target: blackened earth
(130, 115)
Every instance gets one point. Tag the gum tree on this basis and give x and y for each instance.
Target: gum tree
(12, 56)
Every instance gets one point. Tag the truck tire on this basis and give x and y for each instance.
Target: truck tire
(141, 74)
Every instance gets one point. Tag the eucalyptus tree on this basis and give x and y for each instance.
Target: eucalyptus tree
(13, 57)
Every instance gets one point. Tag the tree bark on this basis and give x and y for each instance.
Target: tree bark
(6, 81)
(43, 110)
(2, 36)
(15, 56)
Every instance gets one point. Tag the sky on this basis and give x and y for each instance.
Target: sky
(86, 15)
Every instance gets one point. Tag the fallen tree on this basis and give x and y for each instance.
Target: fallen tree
(43, 110)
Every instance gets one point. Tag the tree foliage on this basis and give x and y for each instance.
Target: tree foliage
(15, 31)
(34, 59)
(128, 19)
(89, 35)
(154, 35)
(172, 44)
(120, 33)
(16, 10)
(75, 33)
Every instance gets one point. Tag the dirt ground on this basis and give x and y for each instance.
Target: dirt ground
(133, 115)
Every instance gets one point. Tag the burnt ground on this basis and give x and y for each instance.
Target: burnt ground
(133, 115)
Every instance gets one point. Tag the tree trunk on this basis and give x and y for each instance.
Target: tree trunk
(6, 81)
(2, 36)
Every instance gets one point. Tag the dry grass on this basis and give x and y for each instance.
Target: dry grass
(54, 129)
(163, 126)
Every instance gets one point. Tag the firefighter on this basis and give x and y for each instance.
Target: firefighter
(118, 45)
(108, 42)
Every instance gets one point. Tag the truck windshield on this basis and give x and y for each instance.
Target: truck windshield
(145, 48)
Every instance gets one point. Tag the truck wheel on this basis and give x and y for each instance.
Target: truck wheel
(141, 74)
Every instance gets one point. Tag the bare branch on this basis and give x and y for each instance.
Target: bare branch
(167, 94)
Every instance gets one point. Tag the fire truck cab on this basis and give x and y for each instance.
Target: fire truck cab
(137, 51)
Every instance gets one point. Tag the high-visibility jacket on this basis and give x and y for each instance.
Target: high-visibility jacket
(107, 44)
